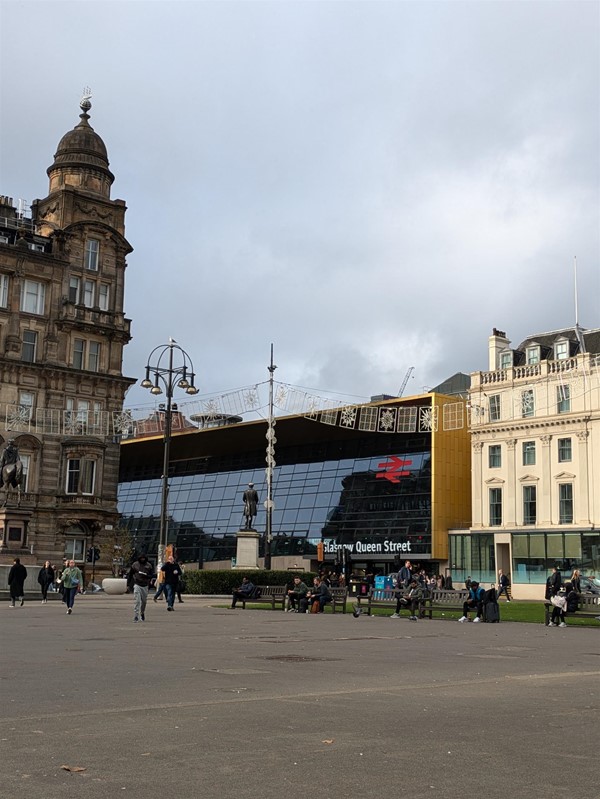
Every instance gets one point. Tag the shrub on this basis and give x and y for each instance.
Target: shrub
(223, 582)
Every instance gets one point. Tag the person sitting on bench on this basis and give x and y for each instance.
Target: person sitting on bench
(320, 594)
(296, 595)
(244, 592)
(412, 600)
(474, 602)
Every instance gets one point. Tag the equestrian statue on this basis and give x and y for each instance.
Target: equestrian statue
(11, 470)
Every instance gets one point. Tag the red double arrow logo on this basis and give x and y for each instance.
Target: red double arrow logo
(394, 469)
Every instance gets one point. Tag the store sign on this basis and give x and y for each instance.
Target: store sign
(385, 547)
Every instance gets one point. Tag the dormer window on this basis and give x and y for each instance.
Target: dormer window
(506, 359)
(532, 355)
(561, 350)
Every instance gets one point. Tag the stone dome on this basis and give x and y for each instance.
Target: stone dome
(82, 148)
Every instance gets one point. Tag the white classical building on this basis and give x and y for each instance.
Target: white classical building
(535, 423)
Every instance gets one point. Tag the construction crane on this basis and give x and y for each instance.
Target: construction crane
(405, 381)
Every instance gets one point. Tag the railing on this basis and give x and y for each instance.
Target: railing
(580, 363)
(93, 316)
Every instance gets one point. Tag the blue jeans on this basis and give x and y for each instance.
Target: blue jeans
(69, 596)
(170, 592)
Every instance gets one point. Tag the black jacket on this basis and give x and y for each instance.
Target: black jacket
(46, 575)
(17, 576)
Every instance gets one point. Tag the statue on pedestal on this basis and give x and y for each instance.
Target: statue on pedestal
(250, 505)
(11, 469)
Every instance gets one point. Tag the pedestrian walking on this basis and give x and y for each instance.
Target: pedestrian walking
(172, 574)
(72, 582)
(16, 581)
(160, 582)
(140, 575)
(45, 579)
(503, 585)
(181, 582)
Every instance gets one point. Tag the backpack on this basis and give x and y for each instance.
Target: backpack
(256, 594)
(572, 602)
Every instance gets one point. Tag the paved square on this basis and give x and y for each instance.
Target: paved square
(209, 702)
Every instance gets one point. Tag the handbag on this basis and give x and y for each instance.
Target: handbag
(315, 607)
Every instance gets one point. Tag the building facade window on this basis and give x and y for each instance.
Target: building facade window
(28, 352)
(561, 350)
(532, 355)
(529, 453)
(495, 496)
(103, 296)
(33, 297)
(565, 503)
(78, 353)
(92, 253)
(26, 461)
(527, 403)
(506, 360)
(495, 456)
(93, 356)
(88, 293)
(3, 291)
(563, 399)
(565, 451)
(495, 408)
(74, 290)
(74, 549)
(80, 476)
(529, 504)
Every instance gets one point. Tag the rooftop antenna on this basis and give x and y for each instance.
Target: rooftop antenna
(578, 331)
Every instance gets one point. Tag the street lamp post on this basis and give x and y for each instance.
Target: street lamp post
(161, 369)
(271, 441)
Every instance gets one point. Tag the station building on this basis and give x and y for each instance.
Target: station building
(375, 483)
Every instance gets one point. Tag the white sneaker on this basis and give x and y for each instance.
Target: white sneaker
(476, 619)
(463, 618)
(562, 624)
(550, 624)
(395, 616)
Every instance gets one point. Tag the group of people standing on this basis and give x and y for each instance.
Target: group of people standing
(70, 582)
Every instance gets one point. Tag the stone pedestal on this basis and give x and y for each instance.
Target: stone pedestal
(247, 550)
(114, 585)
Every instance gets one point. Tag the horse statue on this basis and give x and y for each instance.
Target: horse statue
(11, 471)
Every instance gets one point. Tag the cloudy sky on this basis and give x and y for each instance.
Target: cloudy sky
(368, 185)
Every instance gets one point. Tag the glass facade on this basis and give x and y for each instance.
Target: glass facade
(533, 555)
(369, 497)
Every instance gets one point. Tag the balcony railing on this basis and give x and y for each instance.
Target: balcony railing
(583, 363)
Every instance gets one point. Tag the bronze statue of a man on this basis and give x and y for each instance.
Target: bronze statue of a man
(250, 505)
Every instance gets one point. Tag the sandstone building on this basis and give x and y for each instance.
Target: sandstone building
(62, 333)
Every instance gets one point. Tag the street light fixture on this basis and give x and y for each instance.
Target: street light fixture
(160, 369)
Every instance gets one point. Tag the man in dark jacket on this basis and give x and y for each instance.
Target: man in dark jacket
(172, 575)
(412, 599)
(16, 580)
(244, 592)
(320, 594)
(553, 583)
(404, 576)
(474, 602)
(296, 594)
(140, 575)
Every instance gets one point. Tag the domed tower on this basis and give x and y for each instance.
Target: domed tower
(80, 182)
(62, 286)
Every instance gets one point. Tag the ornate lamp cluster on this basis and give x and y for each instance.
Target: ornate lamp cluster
(163, 371)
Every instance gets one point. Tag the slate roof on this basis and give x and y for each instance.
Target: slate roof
(591, 339)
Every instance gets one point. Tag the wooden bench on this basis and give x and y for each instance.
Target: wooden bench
(589, 608)
(443, 601)
(269, 595)
(339, 597)
(435, 601)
